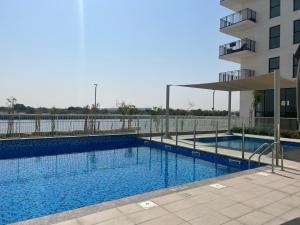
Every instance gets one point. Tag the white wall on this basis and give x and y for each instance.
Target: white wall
(260, 33)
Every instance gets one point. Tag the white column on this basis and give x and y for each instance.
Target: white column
(298, 94)
(277, 112)
(167, 135)
(229, 113)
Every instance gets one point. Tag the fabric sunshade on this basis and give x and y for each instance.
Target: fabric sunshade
(261, 82)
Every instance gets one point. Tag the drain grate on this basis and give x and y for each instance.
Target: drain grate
(264, 174)
(147, 204)
(217, 186)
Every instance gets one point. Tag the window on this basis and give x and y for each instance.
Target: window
(295, 66)
(296, 5)
(290, 103)
(274, 64)
(265, 103)
(274, 41)
(274, 8)
(296, 31)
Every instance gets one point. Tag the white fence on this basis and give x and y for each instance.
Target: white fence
(54, 125)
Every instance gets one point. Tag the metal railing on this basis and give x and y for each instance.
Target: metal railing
(236, 75)
(237, 46)
(261, 150)
(243, 15)
(21, 126)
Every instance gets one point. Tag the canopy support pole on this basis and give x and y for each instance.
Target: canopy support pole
(167, 135)
(229, 113)
(277, 113)
(298, 94)
(297, 55)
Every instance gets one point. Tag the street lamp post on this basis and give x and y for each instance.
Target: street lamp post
(95, 106)
(213, 108)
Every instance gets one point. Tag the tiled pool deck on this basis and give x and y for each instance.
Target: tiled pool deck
(249, 197)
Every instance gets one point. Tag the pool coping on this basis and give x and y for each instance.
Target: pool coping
(183, 142)
(65, 137)
(84, 211)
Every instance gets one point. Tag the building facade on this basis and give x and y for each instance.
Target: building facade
(268, 33)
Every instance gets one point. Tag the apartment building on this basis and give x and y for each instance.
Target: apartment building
(266, 34)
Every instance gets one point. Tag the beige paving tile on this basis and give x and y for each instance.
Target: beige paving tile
(132, 208)
(220, 203)
(275, 195)
(297, 184)
(182, 204)
(194, 191)
(207, 197)
(277, 221)
(292, 201)
(99, 217)
(291, 214)
(259, 190)
(211, 218)
(255, 218)
(258, 202)
(117, 221)
(236, 211)
(291, 189)
(226, 191)
(281, 183)
(242, 196)
(168, 199)
(276, 209)
(169, 219)
(148, 214)
(69, 222)
(193, 212)
(233, 222)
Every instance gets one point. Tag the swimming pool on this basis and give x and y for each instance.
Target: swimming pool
(93, 170)
(251, 144)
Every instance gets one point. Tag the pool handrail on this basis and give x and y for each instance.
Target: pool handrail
(256, 152)
(265, 147)
(261, 154)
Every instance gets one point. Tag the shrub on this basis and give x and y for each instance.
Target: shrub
(268, 132)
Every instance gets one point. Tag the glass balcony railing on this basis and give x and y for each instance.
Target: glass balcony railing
(235, 18)
(237, 46)
(236, 75)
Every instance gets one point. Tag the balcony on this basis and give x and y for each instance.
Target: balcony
(236, 75)
(235, 23)
(234, 5)
(237, 50)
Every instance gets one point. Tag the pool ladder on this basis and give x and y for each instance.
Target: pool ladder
(263, 149)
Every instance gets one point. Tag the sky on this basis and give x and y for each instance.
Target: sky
(53, 51)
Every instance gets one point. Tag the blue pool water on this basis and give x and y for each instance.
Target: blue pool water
(251, 144)
(42, 185)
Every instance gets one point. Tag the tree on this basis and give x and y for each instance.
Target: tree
(190, 106)
(126, 109)
(11, 102)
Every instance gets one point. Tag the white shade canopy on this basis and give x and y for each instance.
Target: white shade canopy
(261, 82)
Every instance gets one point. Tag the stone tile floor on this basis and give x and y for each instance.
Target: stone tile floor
(250, 199)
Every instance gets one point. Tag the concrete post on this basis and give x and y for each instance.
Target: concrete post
(167, 135)
(229, 113)
(277, 113)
